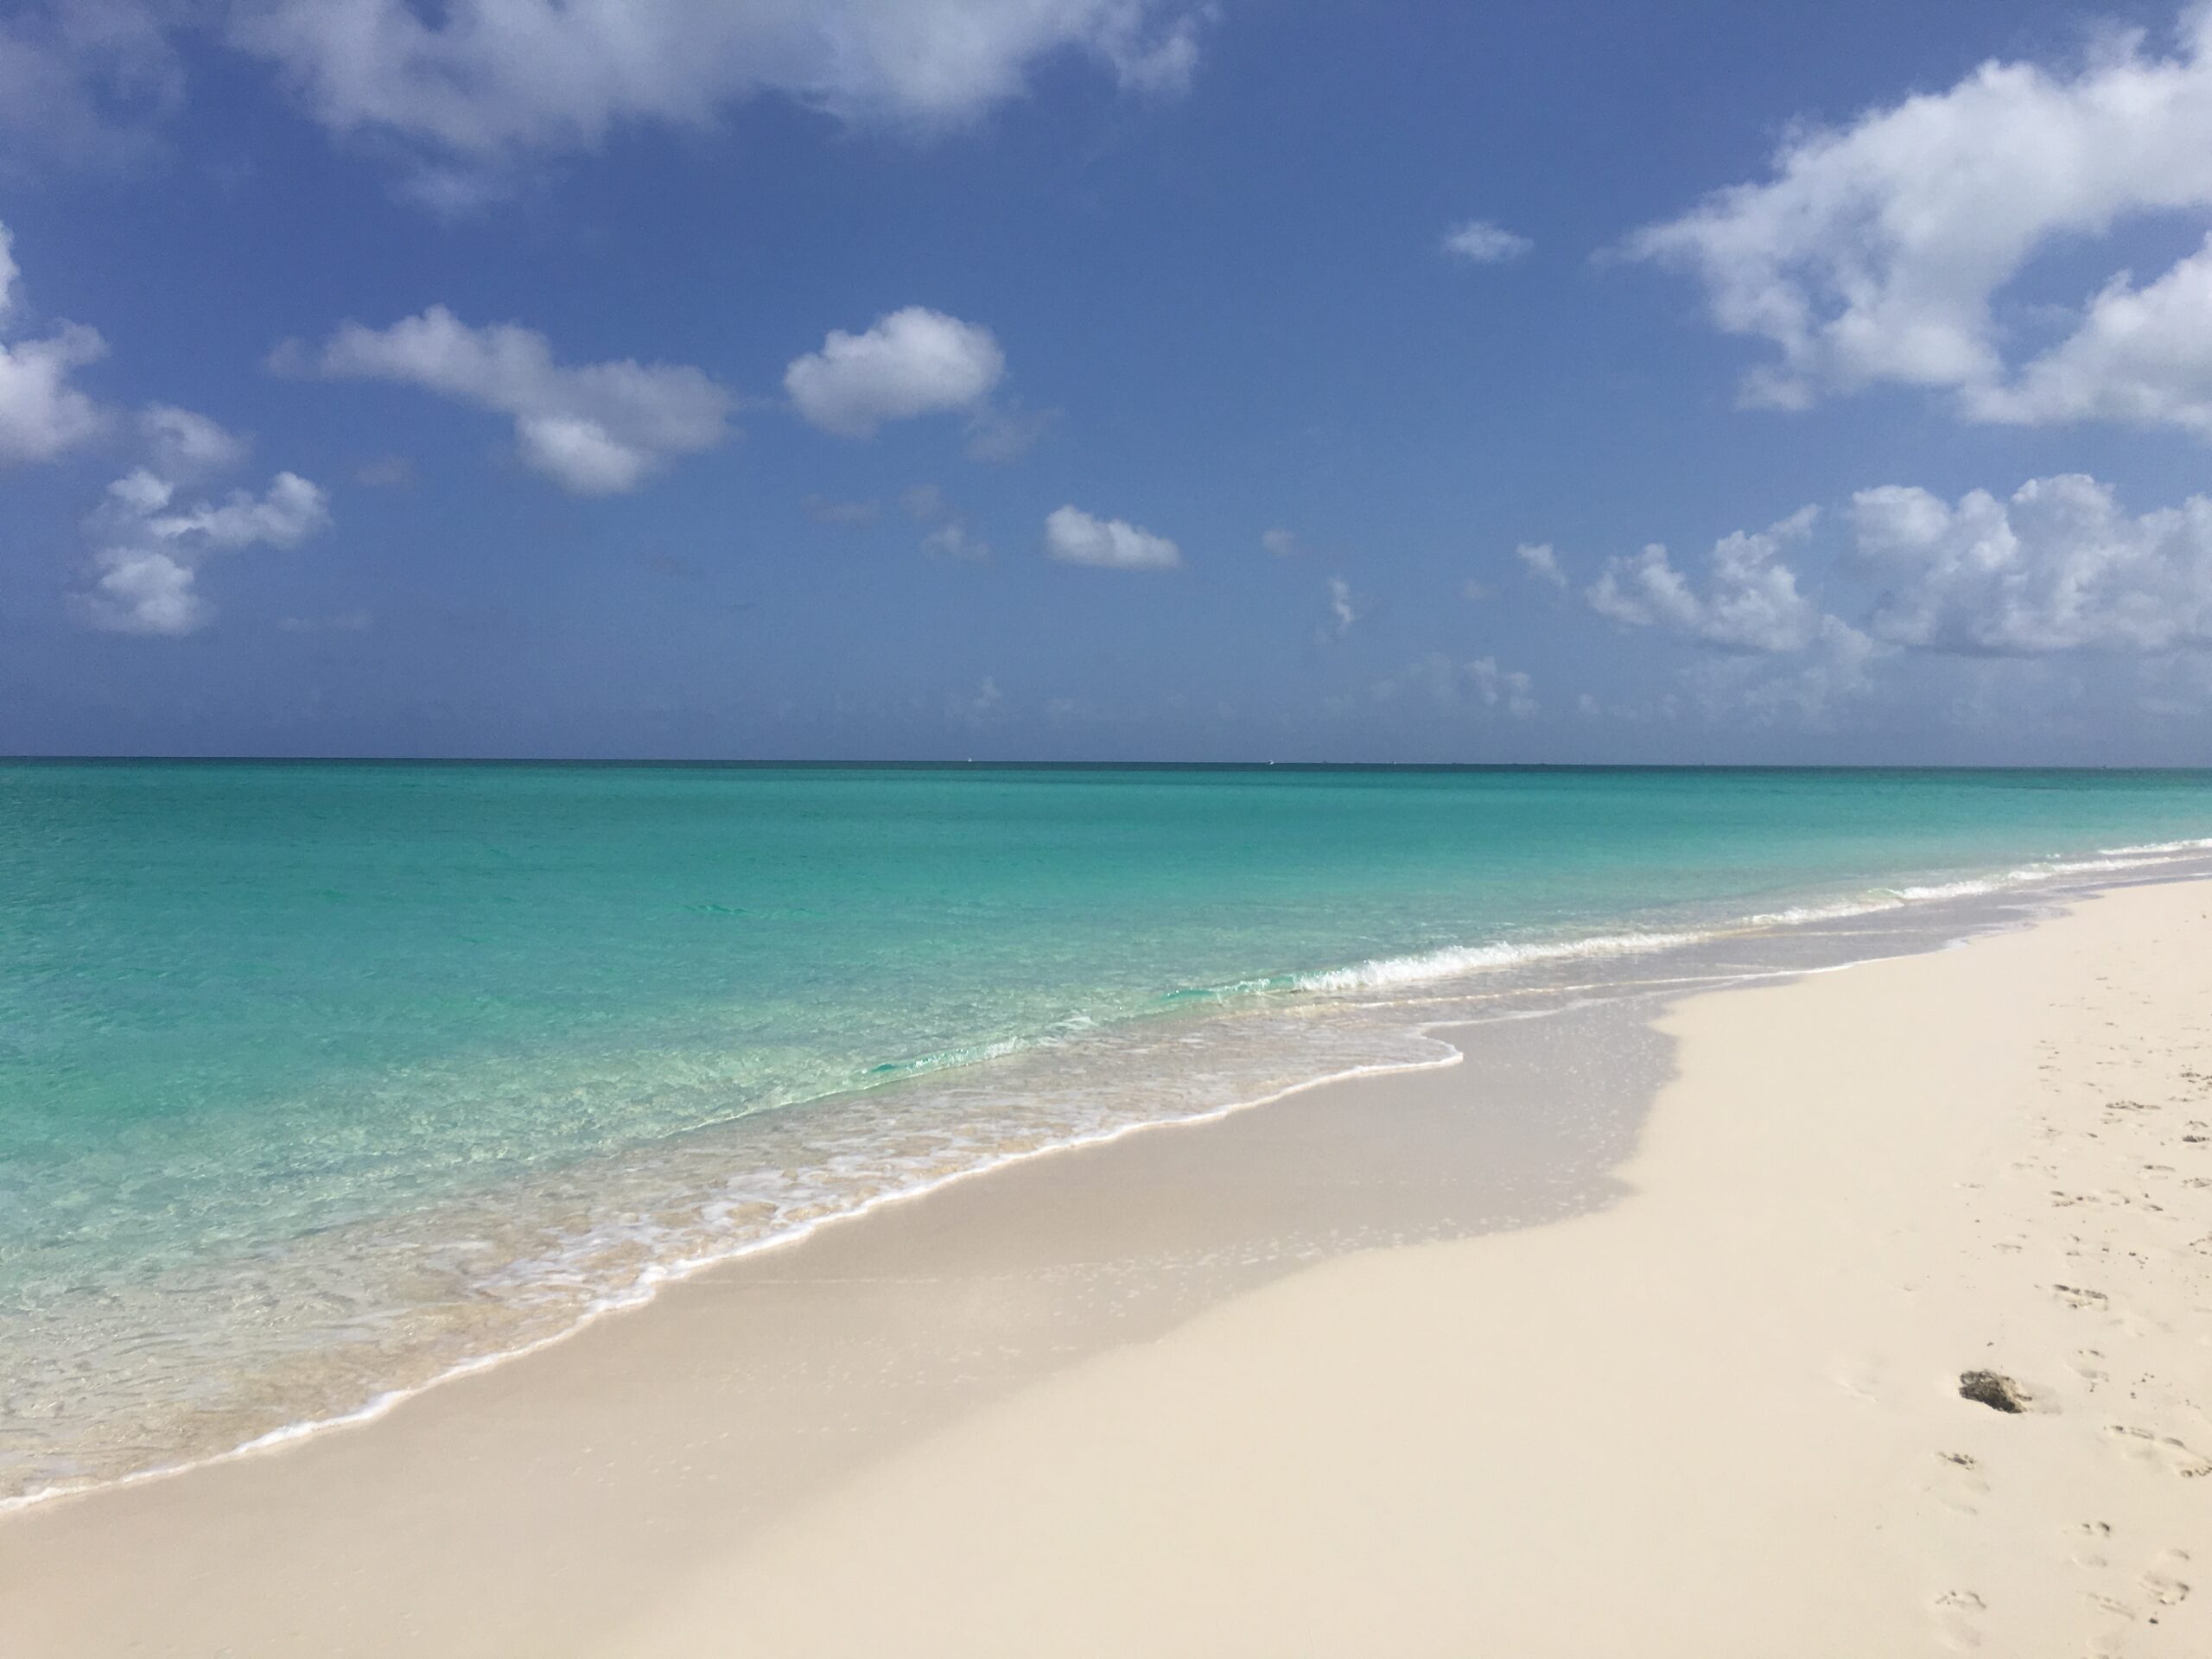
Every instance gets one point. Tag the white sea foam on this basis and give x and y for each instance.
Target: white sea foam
(1454, 960)
(2199, 846)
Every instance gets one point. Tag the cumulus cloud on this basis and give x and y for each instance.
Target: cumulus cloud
(1283, 544)
(42, 414)
(1493, 686)
(1074, 537)
(151, 546)
(1877, 252)
(1751, 601)
(1481, 243)
(1341, 606)
(2059, 566)
(84, 81)
(911, 362)
(1541, 563)
(470, 89)
(987, 703)
(2140, 355)
(1484, 685)
(485, 80)
(954, 537)
(597, 429)
(1833, 667)
(956, 541)
(186, 445)
(1774, 652)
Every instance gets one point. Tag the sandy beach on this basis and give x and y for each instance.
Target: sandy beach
(1359, 1372)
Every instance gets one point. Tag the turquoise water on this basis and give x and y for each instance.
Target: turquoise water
(317, 1080)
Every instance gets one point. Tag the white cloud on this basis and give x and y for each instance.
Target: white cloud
(41, 415)
(987, 703)
(1832, 666)
(1474, 590)
(1776, 652)
(466, 91)
(290, 510)
(954, 537)
(83, 80)
(1751, 602)
(1483, 685)
(1481, 243)
(1283, 544)
(484, 81)
(142, 591)
(186, 445)
(1073, 537)
(151, 550)
(1541, 563)
(911, 362)
(2057, 567)
(1877, 252)
(956, 541)
(1493, 685)
(599, 429)
(2140, 355)
(1341, 606)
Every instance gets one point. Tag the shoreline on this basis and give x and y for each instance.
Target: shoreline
(1023, 1239)
(642, 1295)
(1427, 972)
(1747, 1410)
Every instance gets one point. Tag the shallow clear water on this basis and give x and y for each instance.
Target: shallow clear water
(318, 1080)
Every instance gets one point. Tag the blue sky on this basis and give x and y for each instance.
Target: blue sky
(1098, 378)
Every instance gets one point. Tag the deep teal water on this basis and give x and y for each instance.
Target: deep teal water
(255, 1017)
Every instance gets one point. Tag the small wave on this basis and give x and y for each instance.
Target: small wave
(2199, 846)
(1449, 962)
(972, 1054)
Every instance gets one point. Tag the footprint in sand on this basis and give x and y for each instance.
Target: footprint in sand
(1860, 1378)
(2074, 1296)
(1958, 1614)
(2161, 1580)
(2090, 1539)
(2112, 1641)
(2159, 1451)
(1960, 1484)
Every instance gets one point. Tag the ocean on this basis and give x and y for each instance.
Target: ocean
(319, 1082)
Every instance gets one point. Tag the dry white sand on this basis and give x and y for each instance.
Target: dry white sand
(1719, 1418)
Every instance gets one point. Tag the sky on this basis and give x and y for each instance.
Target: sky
(1711, 381)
